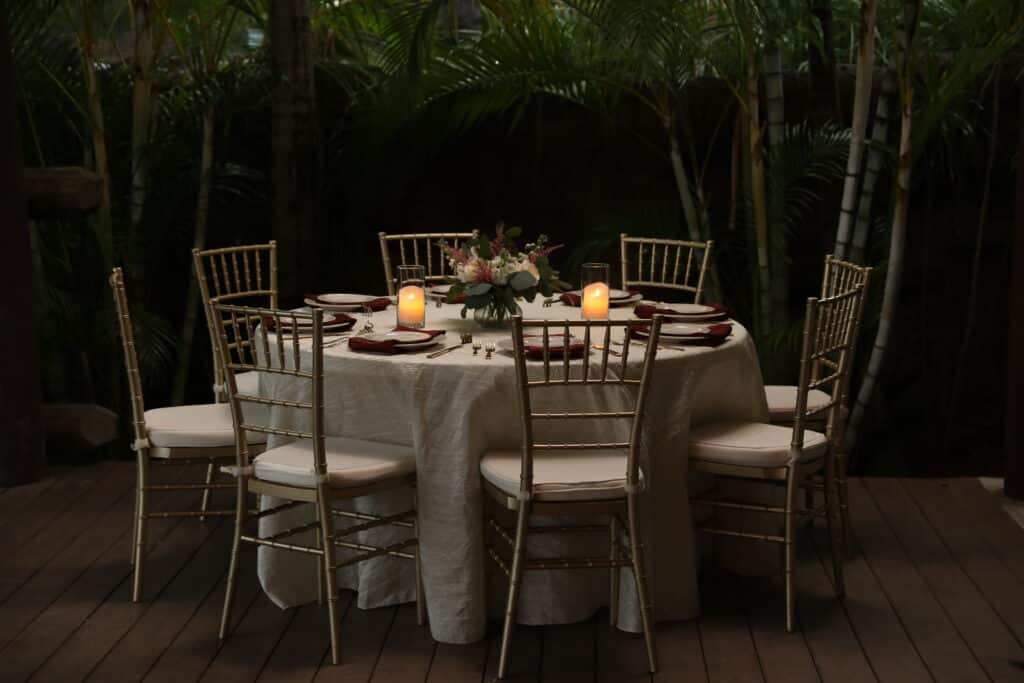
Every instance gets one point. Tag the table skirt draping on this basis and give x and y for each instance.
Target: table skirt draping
(453, 409)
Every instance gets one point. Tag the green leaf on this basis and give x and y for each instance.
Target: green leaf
(478, 301)
(455, 291)
(479, 289)
(513, 232)
(521, 280)
(483, 247)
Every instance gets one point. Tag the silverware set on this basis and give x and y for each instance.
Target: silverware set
(464, 338)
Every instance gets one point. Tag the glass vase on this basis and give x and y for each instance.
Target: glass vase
(495, 315)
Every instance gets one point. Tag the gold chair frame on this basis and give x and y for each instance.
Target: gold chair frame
(147, 454)
(827, 343)
(524, 503)
(233, 282)
(663, 270)
(249, 349)
(435, 260)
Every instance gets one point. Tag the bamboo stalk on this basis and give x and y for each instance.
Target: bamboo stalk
(861, 107)
(879, 135)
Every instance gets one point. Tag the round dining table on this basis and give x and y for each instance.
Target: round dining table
(452, 409)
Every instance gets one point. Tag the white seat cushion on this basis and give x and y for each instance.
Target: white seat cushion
(206, 425)
(782, 402)
(350, 462)
(561, 476)
(751, 444)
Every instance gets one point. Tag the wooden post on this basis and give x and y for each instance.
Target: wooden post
(1013, 484)
(22, 444)
(295, 160)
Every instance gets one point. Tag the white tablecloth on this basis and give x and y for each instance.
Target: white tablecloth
(454, 408)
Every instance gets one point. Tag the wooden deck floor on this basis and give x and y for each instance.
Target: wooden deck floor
(935, 592)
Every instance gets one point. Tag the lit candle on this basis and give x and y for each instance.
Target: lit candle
(595, 301)
(412, 307)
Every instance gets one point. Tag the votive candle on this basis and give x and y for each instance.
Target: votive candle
(412, 304)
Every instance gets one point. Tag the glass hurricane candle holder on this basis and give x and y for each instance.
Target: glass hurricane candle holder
(594, 294)
(412, 303)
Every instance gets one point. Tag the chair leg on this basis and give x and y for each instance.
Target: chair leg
(522, 526)
(331, 580)
(844, 504)
(809, 505)
(135, 524)
(421, 604)
(636, 549)
(319, 563)
(241, 505)
(788, 546)
(205, 505)
(613, 555)
(834, 531)
(139, 527)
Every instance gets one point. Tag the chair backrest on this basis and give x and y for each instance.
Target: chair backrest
(827, 347)
(131, 358)
(420, 249)
(584, 373)
(246, 344)
(243, 274)
(668, 264)
(841, 277)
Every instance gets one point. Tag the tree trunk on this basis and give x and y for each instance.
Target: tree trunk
(861, 108)
(898, 238)
(758, 196)
(825, 104)
(683, 187)
(22, 445)
(295, 165)
(1013, 484)
(142, 116)
(775, 101)
(188, 330)
(104, 226)
(879, 137)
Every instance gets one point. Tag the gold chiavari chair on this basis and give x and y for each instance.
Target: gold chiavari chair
(665, 264)
(310, 468)
(177, 435)
(590, 478)
(839, 277)
(419, 249)
(244, 274)
(789, 456)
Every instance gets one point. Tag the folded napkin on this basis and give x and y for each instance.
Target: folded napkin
(533, 345)
(570, 299)
(650, 310)
(358, 343)
(715, 336)
(334, 320)
(378, 304)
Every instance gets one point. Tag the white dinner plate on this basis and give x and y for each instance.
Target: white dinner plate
(555, 341)
(340, 302)
(684, 330)
(438, 291)
(690, 312)
(405, 339)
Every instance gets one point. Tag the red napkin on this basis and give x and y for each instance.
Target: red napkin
(335, 319)
(378, 304)
(649, 310)
(535, 351)
(389, 346)
(570, 299)
(715, 336)
(460, 299)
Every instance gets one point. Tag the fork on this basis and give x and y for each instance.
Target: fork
(464, 338)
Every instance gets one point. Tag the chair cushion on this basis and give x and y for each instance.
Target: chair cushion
(350, 462)
(751, 444)
(561, 476)
(782, 402)
(206, 425)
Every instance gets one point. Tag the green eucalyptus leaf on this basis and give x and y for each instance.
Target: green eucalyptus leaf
(479, 289)
(513, 232)
(521, 280)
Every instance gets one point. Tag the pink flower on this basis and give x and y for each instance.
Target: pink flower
(543, 252)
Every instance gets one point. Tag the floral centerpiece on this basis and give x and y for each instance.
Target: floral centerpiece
(494, 274)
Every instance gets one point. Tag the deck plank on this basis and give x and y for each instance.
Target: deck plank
(47, 633)
(363, 634)
(570, 650)
(978, 559)
(988, 637)
(893, 656)
(680, 655)
(942, 650)
(526, 653)
(407, 652)
(729, 651)
(459, 663)
(196, 645)
(621, 656)
(988, 518)
(304, 645)
(250, 643)
(785, 657)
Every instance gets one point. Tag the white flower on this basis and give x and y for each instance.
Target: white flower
(531, 269)
(468, 271)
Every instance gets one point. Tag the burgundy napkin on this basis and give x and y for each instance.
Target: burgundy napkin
(337, 319)
(570, 299)
(389, 346)
(378, 304)
(649, 310)
(535, 351)
(715, 336)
